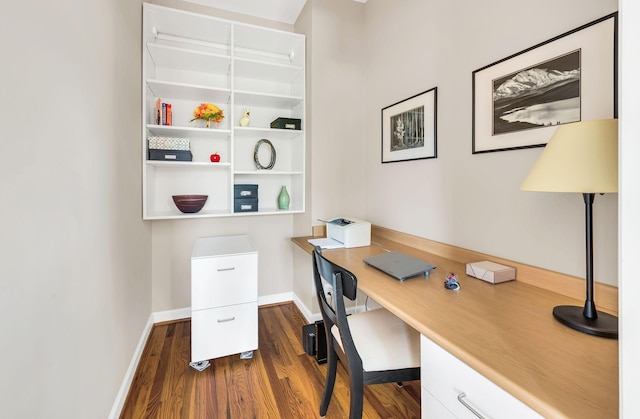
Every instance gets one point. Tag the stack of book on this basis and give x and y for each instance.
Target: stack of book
(163, 113)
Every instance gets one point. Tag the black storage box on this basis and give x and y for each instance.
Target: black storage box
(245, 191)
(286, 123)
(245, 205)
(170, 155)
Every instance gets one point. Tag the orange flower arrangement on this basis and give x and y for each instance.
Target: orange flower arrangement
(209, 112)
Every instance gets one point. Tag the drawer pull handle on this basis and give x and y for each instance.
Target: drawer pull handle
(226, 269)
(461, 398)
(230, 319)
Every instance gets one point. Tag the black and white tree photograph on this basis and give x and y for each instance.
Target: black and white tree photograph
(542, 95)
(407, 129)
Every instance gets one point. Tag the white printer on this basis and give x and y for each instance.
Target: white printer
(349, 231)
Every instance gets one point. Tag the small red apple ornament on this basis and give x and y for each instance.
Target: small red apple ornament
(215, 157)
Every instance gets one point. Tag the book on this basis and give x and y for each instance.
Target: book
(157, 114)
(164, 114)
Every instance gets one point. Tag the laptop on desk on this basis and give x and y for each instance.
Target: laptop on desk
(399, 265)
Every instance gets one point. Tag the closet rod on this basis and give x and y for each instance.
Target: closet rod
(185, 40)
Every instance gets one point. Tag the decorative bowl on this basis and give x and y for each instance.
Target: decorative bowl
(190, 204)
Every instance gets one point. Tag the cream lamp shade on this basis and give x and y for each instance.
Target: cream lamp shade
(579, 157)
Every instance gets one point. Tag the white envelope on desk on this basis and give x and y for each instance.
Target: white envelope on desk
(326, 243)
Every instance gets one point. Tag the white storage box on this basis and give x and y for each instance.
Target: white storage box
(168, 143)
(491, 272)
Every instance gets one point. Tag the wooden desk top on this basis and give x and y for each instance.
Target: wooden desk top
(506, 332)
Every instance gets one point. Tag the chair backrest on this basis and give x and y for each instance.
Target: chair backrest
(345, 284)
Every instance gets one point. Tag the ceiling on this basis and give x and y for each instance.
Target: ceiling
(286, 11)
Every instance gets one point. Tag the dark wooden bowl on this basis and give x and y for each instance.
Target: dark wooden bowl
(190, 204)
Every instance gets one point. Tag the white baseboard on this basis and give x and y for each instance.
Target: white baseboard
(170, 315)
(121, 397)
(308, 315)
(275, 298)
(313, 317)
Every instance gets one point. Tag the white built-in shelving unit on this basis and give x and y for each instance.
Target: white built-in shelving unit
(190, 58)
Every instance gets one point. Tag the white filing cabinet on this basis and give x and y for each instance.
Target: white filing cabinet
(452, 389)
(224, 297)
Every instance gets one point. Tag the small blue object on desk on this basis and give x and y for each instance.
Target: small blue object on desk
(451, 283)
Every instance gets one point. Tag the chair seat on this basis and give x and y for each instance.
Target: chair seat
(383, 341)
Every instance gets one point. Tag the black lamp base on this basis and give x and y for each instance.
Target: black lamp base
(605, 325)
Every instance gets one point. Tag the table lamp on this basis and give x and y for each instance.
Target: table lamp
(581, 157)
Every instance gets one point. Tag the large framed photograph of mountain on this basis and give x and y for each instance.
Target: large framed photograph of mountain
(520, 100)
(409, 128)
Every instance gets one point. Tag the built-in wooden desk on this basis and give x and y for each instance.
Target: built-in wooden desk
(506, 332)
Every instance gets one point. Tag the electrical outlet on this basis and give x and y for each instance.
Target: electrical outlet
(328, 292)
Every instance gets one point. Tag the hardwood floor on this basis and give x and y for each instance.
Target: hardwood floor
(280, 381)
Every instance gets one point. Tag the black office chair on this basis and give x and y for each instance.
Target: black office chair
(375, 346)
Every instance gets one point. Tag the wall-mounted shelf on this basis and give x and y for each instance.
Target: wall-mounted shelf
(189, 132)
(188, 163)
(190, 58)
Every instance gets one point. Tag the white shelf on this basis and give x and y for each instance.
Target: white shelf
(252, 133)
(177, 215)
(267, 173)
(188, 59)
(174, 90)
(270, 211)
(165, 163)
(266, 100)
(281, 73)
(188, 132)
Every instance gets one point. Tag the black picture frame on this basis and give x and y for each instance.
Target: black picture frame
(409, 128)
(519, 100)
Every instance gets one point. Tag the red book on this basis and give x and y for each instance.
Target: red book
(169, 114)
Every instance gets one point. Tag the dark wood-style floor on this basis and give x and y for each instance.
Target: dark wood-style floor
(281, 381)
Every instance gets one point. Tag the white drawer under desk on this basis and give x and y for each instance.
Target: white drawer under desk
(461, 390)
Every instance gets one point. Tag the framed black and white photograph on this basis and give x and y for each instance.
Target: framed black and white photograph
(520, 100)
(409, 128)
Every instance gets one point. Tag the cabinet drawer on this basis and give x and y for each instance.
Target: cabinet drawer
(432, 408)
(447, 378)
(224, 281)
(224, 331)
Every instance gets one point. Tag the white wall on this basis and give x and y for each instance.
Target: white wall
(337, 119)
(472, 201)
(334, 125)
(75, 286)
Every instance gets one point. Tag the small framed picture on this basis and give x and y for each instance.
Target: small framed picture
(409, 128)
